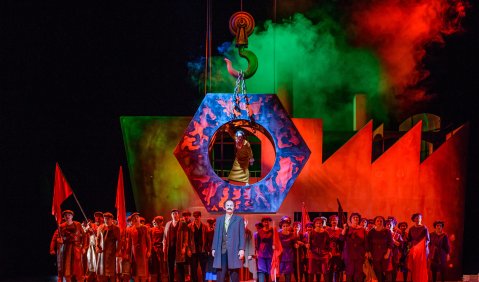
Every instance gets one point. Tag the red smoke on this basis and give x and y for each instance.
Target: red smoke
(399, 31)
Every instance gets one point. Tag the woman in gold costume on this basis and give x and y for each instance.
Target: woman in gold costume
(243, 158)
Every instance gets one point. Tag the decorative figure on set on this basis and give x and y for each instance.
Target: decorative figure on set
(243, 157)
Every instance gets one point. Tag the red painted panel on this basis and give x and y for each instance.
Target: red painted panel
(443, 178)
(312, 128)
(394, 179)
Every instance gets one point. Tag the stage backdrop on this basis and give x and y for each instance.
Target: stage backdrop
(397, 183)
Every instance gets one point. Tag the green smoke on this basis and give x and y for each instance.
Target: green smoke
(314, 64)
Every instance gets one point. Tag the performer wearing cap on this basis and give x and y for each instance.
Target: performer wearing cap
(157, 256)
(108, 246)
(99, 219)
(250, 252)
(287, 239)
(175, 246)
(320, 253)
(418, 239)
(440, 249)
(198, 231)
(228, 244)
(210, 270)
(186, 216)
(380, 243)
(355, 246)
(309, 226)
(69, 243)
(397, 246)
(402, 226)
(264, 249)
(300, 262)
(139, 246)
(91, 255)
(336, 264)
(243, 157)
(124, 263)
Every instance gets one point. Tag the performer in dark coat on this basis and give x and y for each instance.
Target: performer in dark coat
(250, 252)
(264, 249)
(210, 270)
(380, 244)
(157, 258)
(287, 239)
(299, 252)
(175, 246)
(355, 246)
(440, 249)
(336, 264)
(402, 226)
(138, 248)
(228, 244)
(197, 246)
(318, 248)
(108, 246)
(397, 246)
(418, 239)
(69, 243)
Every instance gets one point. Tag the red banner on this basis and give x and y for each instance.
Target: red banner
(304, 217)
(120, 202)
(278, 249)
(61, 191)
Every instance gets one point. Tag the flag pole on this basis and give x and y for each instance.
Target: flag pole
(81, 209)
(297, 263)
(274, 234)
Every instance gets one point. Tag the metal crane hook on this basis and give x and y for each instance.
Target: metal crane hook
(242, 25)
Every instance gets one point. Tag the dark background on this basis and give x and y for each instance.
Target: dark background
(70, 70)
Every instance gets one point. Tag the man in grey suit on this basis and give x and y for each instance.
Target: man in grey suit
(228, 244)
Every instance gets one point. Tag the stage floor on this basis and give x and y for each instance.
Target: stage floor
(466, 277)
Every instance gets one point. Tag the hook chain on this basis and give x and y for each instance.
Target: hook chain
(239, 93)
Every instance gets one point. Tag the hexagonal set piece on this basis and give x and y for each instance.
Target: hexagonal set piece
(218, 109)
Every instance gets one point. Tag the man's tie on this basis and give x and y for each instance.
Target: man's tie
(227, 222)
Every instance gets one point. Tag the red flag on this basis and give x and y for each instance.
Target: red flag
(278, 249)
(417, 261)
(304, 217)
(120, 202)
(61, 191)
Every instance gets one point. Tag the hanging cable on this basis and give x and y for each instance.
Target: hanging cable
(274, 45)
(207, 69)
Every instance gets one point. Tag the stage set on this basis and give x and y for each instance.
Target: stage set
(183, 161)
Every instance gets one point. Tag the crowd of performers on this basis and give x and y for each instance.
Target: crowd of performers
(181, 249)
